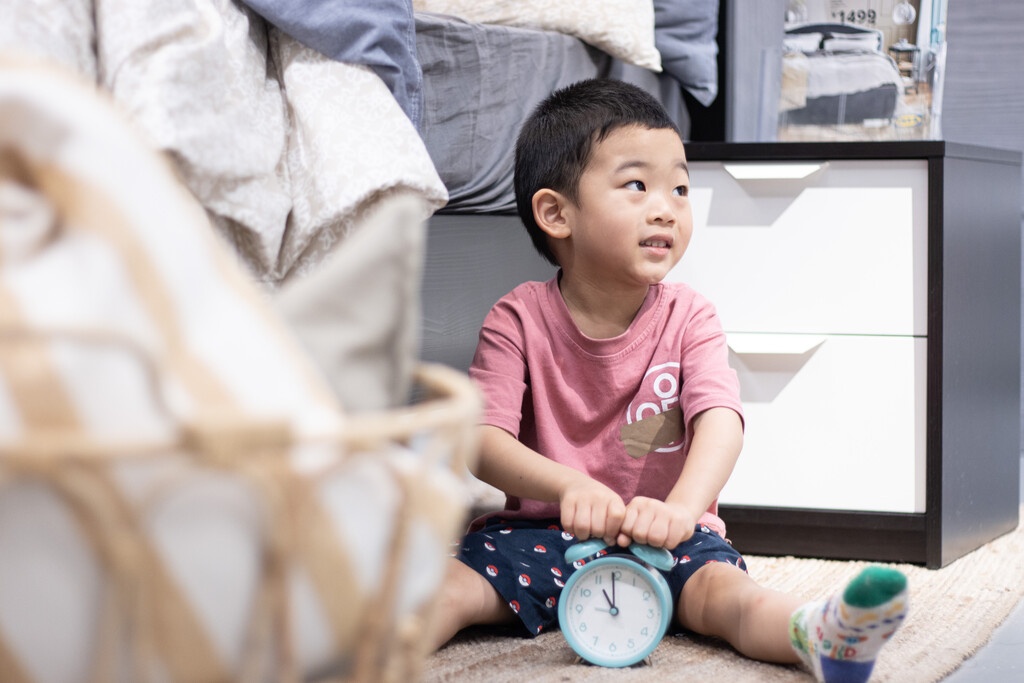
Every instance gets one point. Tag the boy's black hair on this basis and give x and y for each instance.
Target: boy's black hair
(557, 140)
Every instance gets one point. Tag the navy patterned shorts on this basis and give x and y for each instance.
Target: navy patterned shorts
(525, 562)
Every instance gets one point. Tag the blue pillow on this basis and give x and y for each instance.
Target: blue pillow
(380, 34)
(684, 33)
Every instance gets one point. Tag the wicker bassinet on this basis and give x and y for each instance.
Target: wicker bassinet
(181, 499)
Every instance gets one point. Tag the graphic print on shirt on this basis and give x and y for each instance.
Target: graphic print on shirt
(654, 420)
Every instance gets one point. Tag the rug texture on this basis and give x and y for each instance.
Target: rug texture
(953, 612)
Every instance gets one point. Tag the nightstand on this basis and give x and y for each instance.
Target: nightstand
(908, 61)
(871, 296)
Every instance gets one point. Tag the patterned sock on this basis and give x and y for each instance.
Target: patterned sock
(840, 638)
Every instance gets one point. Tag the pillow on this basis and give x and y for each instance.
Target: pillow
(802, 42)
(844, 43)
(622, 28)
(685, 34)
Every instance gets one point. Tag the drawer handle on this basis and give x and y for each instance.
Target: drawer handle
(773, 344)
(773, 171)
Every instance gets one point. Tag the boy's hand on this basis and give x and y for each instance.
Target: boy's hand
(591, 510)
(655, 523)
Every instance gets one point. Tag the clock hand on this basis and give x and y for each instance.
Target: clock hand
(611, 600)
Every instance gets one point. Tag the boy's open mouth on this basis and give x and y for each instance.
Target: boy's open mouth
(661, 244)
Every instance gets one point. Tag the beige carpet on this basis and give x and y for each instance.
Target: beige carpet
(953, 611)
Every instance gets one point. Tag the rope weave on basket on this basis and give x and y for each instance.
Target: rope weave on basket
(147, 610)
(145, 623)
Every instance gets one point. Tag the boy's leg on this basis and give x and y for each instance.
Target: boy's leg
(467, 598)
(838, 640)
(722, 600)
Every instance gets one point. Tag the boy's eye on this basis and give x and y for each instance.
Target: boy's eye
(682, 191)
(637, 185)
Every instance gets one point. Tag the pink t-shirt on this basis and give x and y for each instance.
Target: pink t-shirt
(613, 408)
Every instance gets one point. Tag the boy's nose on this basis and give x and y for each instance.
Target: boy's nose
(660, 209)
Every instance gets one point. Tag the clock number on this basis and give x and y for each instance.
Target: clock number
(644, 631)
(585, 592)
(579, 608)
(650, 613)
(611, 646)
(583, 627)
(631, 644)
(647, 596)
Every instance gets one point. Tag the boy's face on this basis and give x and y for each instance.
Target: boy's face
(632, 221)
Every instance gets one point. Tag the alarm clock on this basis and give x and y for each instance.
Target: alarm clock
(615, 609)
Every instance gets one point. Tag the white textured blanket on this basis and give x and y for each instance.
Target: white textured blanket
(835, 73)
(283, 146)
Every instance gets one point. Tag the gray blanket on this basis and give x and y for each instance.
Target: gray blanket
(481, 81)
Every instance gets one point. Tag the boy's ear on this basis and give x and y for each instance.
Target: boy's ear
(549, 210)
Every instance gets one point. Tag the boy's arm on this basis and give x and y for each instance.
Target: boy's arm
(717, 439)
(588, 508)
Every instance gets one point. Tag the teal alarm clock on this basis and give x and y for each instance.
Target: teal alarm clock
(615, 609)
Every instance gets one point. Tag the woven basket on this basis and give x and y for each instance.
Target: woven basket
(181, 497)
(113, 526)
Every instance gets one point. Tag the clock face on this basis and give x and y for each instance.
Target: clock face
(613, 611)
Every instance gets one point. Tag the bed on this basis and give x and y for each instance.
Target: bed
(837, 74)
(301, 126)
(505, 69)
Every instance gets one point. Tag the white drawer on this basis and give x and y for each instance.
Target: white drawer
(842, 250)
(832, 422)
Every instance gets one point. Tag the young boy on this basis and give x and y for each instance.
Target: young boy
(611, 411)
